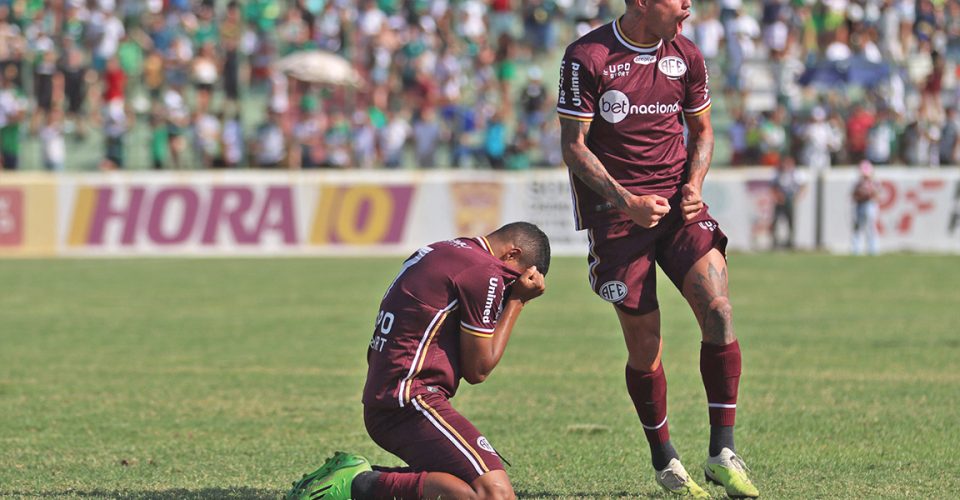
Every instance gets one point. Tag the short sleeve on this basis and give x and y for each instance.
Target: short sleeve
(697, 99)
(481, 293)
(578, 85)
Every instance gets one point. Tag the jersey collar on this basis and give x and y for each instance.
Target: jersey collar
(630, 44)
(484, 243)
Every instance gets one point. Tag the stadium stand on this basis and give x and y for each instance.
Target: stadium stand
(194, 84)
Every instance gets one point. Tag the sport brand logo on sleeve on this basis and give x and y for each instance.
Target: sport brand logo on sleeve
(574, 94)
(491, 295)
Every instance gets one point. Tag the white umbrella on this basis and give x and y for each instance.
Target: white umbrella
(318, 66)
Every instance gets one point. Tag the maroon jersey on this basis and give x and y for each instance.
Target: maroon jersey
(443, 290)
(635, 97)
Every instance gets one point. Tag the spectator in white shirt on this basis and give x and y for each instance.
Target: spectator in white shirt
(821, 139)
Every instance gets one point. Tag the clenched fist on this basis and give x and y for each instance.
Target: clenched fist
(647, 210)
(529, 285)
(691, 203)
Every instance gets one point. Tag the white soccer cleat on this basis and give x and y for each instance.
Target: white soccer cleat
(728, 470)
(674, 479)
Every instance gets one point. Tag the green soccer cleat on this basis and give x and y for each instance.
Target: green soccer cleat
(332, 481)
(676, 481)
(729, 471)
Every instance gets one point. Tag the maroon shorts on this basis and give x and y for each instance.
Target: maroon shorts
(622, 256)
(430, 436)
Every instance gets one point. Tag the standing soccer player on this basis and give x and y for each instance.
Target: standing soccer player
(447, 315)
(627, 89)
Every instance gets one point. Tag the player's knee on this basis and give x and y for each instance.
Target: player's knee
(721, 308)
(643, 341)
(643, 349)
(497, 492)
(494, 486)
(718, 325)
(443, 485)
(464, 491)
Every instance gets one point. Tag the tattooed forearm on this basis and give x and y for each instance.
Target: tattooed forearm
(586, 166)
(699, 149)
(700, 155)
(711, 303)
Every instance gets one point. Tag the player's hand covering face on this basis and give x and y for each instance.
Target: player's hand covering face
(529, 285)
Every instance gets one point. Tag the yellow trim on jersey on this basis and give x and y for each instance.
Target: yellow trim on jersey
(487, 243)
(631, 42)
(702, 111)
(574, 118)
(423, 356)
(453, 431)
(475, 333)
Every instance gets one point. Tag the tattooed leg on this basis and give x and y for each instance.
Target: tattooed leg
(705, 288)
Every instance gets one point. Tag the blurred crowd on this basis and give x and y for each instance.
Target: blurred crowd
(447, 82)
(457, 83)
(849, 79)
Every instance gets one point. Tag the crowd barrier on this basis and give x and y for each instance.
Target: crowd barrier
(256, 213)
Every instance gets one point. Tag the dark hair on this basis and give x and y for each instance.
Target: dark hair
(533, 242)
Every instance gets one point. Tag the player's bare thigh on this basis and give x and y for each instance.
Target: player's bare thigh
(641, 332)
(706, 289)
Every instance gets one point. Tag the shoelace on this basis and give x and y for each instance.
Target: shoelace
(681, 478)
(740, 465)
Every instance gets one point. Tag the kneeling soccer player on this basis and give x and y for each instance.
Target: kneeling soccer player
(447, 315)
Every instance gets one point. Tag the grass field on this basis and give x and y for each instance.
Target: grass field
(174, 379)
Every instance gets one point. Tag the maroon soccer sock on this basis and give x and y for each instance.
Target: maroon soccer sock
(720, 370)
(648, 390)
(388, 486)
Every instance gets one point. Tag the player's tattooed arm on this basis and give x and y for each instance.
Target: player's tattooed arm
(585, 165)
(699, 156)
(699, 147)
(646, 210)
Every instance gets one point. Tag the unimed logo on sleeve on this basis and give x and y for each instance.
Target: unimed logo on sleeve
(11, 217)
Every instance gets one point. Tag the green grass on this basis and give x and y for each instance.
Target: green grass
(229, 378)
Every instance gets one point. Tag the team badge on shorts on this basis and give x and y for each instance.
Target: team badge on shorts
(613, 291)
(484, 444)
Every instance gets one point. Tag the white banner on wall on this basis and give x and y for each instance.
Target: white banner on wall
(324, 213)
(742, 202)
(919, 210)
(378, 212)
